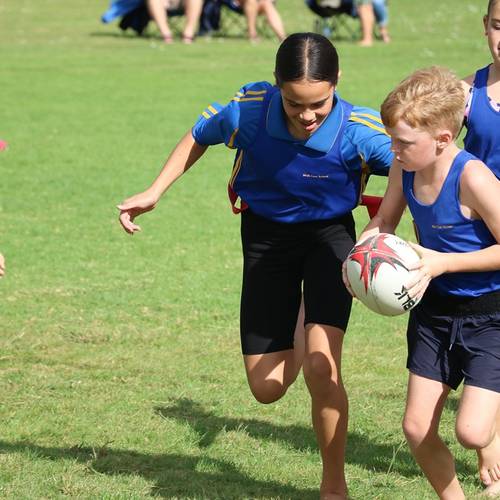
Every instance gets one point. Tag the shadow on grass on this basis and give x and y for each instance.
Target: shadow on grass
(173, 475)
(200, 476)
(124, 35)
(361, 451)
(177, 33)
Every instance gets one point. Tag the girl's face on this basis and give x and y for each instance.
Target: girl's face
(492, 31)
(414, 149)
(306, 105)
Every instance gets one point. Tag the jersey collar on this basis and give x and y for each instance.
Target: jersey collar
(322, 140)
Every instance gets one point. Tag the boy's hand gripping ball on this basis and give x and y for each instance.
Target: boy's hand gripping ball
(377, 270)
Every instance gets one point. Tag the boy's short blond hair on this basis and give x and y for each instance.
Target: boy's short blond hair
(429, 99)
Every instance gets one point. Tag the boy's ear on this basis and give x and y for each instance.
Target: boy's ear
(485, 24)
(444, 138)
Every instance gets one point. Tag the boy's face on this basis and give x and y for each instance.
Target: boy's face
(306, 105)
(414, 149)
(492, 31)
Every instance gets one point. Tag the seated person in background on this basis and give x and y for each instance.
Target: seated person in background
(370, 11)
(253, 8)
(158, 11)
(382, 18)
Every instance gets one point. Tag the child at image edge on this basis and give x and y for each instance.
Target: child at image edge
(482, 120)
(301, 155)
(454, 333)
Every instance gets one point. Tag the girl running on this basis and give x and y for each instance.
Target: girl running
(302, 154)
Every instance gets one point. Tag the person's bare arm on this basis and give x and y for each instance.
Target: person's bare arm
(184, 155)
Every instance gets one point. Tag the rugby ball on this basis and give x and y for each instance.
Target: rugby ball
(377, 270)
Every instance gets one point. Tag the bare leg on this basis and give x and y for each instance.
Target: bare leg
(322, 373)
(193, 12)
(384, 34)
(270, 375)
(476, 427)
(250, 8)
(489, 463)
(267, 8)
(159, 14)
(424, 405)
(367, 20)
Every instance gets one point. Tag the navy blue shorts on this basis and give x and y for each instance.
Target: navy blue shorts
(451, 339)
(280, 262)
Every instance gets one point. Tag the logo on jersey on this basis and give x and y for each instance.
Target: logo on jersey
(371, 254)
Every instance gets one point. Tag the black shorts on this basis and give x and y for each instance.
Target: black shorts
(282, 260)
(451, 339)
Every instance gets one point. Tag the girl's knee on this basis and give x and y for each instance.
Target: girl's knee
(317, 367)
(319, 370)
(267, 391)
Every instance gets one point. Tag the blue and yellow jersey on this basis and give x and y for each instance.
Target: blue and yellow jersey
(235, 124)
(289, 180)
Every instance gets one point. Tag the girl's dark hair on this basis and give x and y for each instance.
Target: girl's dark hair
(491, 3)
(306, 56)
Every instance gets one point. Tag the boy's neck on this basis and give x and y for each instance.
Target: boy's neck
(494, 74)
(493, 88)
(441, 165)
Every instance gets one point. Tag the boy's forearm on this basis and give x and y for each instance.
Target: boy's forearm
(487, 259)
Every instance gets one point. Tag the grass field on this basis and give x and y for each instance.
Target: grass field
(120, 367)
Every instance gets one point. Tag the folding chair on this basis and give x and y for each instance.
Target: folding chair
(334, 17)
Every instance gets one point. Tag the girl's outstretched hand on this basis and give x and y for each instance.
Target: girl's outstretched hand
(430, 265)
(2, 265)
(133, 207)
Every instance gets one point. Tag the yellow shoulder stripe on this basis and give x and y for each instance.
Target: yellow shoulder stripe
(255, 92)
(206, 113)
(368, 124)
(244, 99)
(367, 115)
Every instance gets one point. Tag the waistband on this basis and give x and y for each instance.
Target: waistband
(454, 305)
(343, 220)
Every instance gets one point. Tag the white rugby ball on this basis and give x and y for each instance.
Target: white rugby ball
(377, 270)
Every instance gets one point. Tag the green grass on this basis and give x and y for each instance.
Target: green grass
(120, 367)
